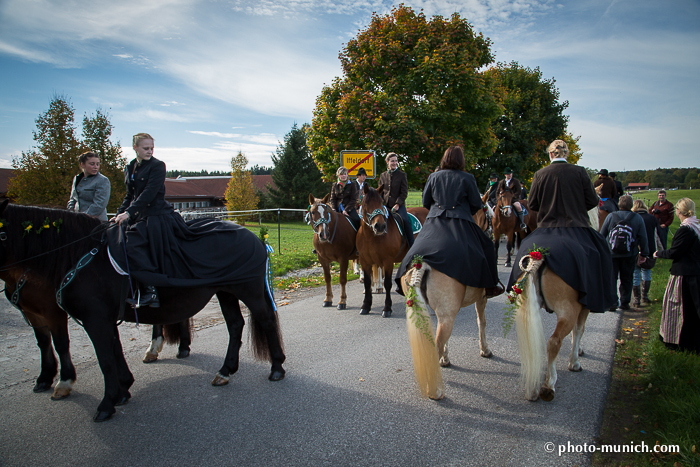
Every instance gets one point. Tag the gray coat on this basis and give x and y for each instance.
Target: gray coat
(639, 232)
(90, 195)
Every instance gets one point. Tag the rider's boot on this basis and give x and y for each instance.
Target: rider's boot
(149, 297)
(519, 215)
(491, 292)
(645, 293)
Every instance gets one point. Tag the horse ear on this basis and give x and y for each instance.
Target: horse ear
(365, 188)
(312, 200)
(4, 205)
(326, 198)
(380, 190)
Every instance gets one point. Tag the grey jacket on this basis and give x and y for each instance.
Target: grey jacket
(639, 231)
(90, 195)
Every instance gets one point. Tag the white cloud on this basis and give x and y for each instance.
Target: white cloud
(198, 158)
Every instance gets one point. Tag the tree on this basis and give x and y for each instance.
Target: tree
(532, 118)
(240, 192)
(43, 175)
(575, 152)
(412, 86)
(295, 175)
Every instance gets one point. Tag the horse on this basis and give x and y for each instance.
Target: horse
(96, 300)
(445, 295)
(180, 333)
(483, 217)
(380, 243)
(602, 214)
(334, 240)
(506, 223)
(28, 292)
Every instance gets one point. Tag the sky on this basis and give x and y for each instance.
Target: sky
(209, 78)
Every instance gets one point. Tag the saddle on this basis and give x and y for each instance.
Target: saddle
(416, 225)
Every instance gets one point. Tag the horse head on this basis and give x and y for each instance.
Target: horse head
(320, 216)
(372, 212)
(504, 201)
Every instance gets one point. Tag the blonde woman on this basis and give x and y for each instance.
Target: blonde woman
(344, 196)
(680, 321)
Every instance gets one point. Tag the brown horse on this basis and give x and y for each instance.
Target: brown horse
(446, 296)
(36, 300)
(334, 240)
(542, 287)
(380, 243)
(506, 223)
(602, 214)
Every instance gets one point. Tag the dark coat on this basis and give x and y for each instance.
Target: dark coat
(562, 195)
(145, 190)
(684, 251)
(514, 187)
(491, 189)
(653, 230)
(452, 193)
(618, 190)
(345, 194)
(609, 189)
(395, 188)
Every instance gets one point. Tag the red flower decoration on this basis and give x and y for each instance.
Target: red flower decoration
(409, 303)
(418, 265)
(536, 255)
(517, 290)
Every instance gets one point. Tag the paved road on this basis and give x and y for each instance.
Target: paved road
(349, 398)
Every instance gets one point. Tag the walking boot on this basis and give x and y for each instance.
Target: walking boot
(635, 296)
(646, 285)
(519, 215)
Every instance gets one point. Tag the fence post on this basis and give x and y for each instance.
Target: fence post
(279, 235)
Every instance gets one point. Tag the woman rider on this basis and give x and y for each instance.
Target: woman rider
(450, 240)
(344, 196)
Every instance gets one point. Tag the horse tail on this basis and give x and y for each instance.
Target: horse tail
(421, 336)
(530, 330)
(593, 218)
(171, 333)
(265, 327)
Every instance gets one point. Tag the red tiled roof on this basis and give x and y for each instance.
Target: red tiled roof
(638, 184)
(207, 187)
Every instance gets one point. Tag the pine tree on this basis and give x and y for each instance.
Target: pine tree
(240, 193)
(295, 174)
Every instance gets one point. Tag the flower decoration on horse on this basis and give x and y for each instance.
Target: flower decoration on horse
(413, 306)
(527, 263)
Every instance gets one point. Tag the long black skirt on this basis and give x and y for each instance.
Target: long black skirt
(165, 251)
(581, 257)
(457, 248)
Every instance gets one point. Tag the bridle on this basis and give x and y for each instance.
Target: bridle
(505, 210)
(367, 219)
(322, 221)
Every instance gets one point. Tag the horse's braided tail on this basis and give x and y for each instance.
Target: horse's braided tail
(528, 325)
(421, 335)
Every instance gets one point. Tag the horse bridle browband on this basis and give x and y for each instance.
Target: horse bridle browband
(373, 214)
(323, 221)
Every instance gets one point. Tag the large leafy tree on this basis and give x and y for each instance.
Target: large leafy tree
(43, 174)
(294, 173)
(410, 85)
(240, 192)
(532, 118)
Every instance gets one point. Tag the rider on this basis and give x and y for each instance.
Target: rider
(607, 193)
(562, 193)
(360, 184)
(90, 189)
(395, 193)
(512, 184)
(450, 239)
(344, 196)
(492, 189)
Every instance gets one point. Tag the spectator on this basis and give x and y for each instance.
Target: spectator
(90, 189)
(607, 193)
(642, 275)
(623, 263)
(680, 320)
(663, 211)
(618, 187)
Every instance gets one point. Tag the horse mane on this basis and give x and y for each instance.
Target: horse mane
(60, 255)
(372, 195)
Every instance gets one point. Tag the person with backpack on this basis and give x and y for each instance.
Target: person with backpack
(627, 236)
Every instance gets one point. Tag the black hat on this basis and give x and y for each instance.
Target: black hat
(603, 172)
(361, 171)
(508, 170)
(613, 175)
(493, 175)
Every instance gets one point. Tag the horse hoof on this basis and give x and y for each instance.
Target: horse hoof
(60, 393)
(219, 380)
(546, 394)
(445, 363)
(183, 354)
(575, 368)
(364, 311)
(342, 306)
(486, 354)
(276, 375)
(42, 387)
(150, 358)
(103, 416)
(386, 314)
(327, 304)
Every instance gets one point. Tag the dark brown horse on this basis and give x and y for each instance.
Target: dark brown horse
(334, 240)
(506, 223)
(380, 244)
(180, 333)
(72, 249)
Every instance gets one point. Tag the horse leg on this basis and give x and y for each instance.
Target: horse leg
(576, 350)
(480, 306)
(156, 344)
(183, 350)
(367, 301)
(61, 342)
(342, 304)
(386, 312)
(49, 365)
(328, 300)
(378, 279)
(231, 309)
(445, 296)
(509, 247)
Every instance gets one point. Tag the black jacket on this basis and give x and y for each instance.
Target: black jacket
(684, 251)
(145, 190)
(451, 193)
(653, 229)
(345, 194)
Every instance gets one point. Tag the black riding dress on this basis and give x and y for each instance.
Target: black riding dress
(165, 251)
(450, 240)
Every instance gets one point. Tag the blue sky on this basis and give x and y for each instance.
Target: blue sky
(208, 78)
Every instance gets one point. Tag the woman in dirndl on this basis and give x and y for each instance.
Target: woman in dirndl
(680, 320)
